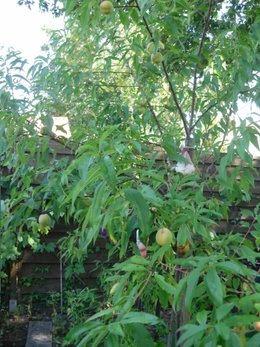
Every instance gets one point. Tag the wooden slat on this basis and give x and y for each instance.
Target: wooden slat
(53, 285)
(52, 271)
(59, 148)
(224, 227)
(39, 258)
(208, 159)
(53, 258)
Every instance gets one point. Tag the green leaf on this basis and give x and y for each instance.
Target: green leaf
(103, 313)
(98, 334)
(80, 329)
(254, 341)
(179, 291)
(234, 340)
(130, 301)
(201, 317)
(167, 287)
(111, 341)
(229, 266)
(133, 267)
(140, 335)
(214, 287)
(183, 234)
(140, 317)
(137, 259)
(116, 329)
(84, 163)
(192, 281)
(239, 320)
(106, 134)
(93, 217)
(141, 208)
(160, 253)
(191, 331)
(150, 195)
(223, 330)
(70, 5)
(248, 253)
(109, 171)
(223, 310)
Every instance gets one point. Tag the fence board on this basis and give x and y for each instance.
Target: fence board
(52, 285)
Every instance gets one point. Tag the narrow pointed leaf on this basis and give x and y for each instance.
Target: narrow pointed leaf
(214, 287)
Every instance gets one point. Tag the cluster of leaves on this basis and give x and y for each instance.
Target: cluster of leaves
(53, 6)
(120, 106)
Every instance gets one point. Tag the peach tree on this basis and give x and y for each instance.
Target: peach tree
(136, 79)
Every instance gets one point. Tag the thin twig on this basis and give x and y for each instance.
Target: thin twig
(143, 287)
(145, 21)
(126, 6)
(206, 26)
(155, 118)
(149, 105)
(109, 72)
(115, 85)
(202, 115)
(245, 236)
(227, 128)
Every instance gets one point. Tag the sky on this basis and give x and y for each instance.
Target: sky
(23, 29)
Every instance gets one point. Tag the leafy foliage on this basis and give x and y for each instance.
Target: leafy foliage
(123, 110)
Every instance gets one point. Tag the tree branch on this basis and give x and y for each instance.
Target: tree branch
(193, 103)
(126, 6)
(150, 106)
(167, 77)
(202, 115)
(145, 21)
(227, 128)
(155, 118)
(176, 100)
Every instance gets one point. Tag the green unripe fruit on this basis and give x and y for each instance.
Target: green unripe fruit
(142, 102)
(106, 7)
(151, 46)
(163, 236)
(156, 58)
(44, 220)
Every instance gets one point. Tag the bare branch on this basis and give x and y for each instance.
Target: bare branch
(176, 100)
(206, 26)
(145, 21)
(173, 93)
